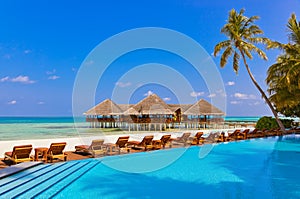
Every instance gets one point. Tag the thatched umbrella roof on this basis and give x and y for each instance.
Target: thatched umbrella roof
(152, 105)
(125, 107)
(131, 111)
(202, 107)
(107, 107)
(183, 107)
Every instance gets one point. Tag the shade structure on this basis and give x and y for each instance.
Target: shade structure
(203, 107)
(107, 107)
(131, 111)
(152, 105)
(153, 113)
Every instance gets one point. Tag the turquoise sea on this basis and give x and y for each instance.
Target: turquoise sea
(24, 128)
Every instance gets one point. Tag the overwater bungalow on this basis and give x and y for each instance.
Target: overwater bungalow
(153, 113)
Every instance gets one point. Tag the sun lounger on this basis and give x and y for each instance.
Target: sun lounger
(256, 133)
(242, 135)
(164, 140)
(214, 137)
(273, 132)
(56, 151)
(121, 144)
(19, 154)
(293, 130)
(197, 139)
(96, 148)
(232, 136)
(182, 140)
(145, 144)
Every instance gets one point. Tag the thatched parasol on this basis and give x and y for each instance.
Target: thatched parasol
(202, 107)
(107, 107)
(152, 105)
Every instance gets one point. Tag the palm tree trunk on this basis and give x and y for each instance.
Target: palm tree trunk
(263, 95)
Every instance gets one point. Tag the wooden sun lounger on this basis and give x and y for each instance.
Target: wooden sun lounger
(182, 140)
(121, 144)
(96, 148)
(232, 136)
(242, 135)
(19, 154)
(256, 133)
(214, 138)
(56, 151)
(164, 140)
(145, 144)
(197, 139)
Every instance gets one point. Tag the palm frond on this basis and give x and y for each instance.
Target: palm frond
(226, 54)
(236, 59)
(275, 44)
(220, 46)
(294, 29)
(261, 53)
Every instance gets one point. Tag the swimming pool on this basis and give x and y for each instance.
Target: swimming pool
(259, 168)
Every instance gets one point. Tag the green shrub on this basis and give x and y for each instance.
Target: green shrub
(270, 123)
(266, 123)
(287, 123)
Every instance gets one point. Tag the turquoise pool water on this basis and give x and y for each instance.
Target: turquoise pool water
(263, 168)
(259, 168)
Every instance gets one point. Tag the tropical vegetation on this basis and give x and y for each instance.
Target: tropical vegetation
(283, 77)
(242, 36)
(270, 123)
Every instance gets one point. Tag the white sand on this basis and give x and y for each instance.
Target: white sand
(72, 142)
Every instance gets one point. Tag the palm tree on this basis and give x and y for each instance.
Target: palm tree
(242, 34)
(283, 76)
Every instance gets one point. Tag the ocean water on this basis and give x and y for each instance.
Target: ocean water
(25, 128)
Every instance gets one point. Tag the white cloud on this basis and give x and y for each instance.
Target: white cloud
(51, 72)
(230, 83)
(212, 95)
(166, 99)
(123, 84)
(196, 94)
(235, 102)
(41, 103)
(22, 79)
(53, 77)
(12, 102)
(4, 79)
(148, 93)
(244, 96)
(27, 51)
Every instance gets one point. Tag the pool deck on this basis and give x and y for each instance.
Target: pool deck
(71, 155)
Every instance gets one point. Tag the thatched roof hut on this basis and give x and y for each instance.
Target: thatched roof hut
(107, 107)
(183, 107)
(152, 105)
(203, 107)
(152, 111)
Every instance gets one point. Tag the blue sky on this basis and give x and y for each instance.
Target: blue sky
(44, 43)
